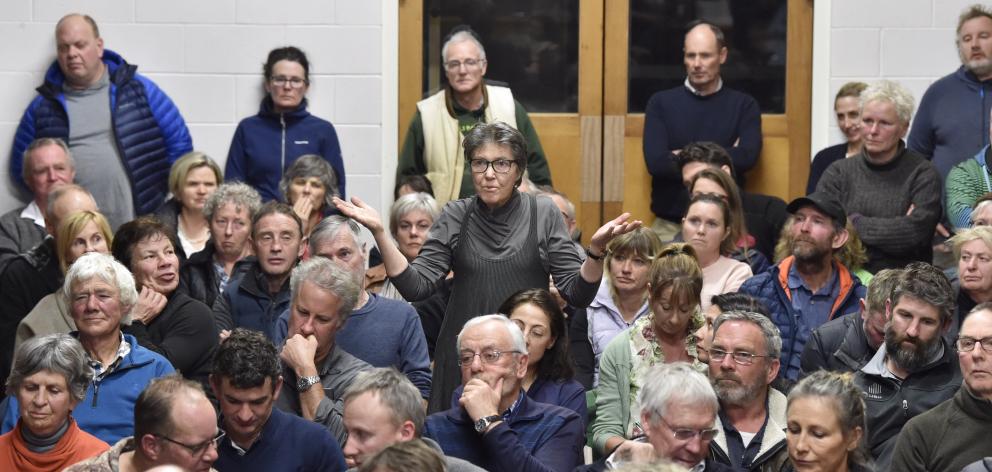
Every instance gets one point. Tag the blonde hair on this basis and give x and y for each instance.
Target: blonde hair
(642, 242)
(852, 254)
(185, 164)
(71, 226)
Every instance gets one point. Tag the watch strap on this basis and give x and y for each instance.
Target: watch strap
(304, 383)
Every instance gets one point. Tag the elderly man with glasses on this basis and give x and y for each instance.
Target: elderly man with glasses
(432, 146)
(496, 426)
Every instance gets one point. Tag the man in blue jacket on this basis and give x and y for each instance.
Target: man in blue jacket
(123, 151)
(811, 286)
(497, 427)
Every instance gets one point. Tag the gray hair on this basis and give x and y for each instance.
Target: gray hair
(848, 404)
(104, 266)
(773, 341)
(239, 194)
(311, 165)
(978, 209)
(28, 166)
(894, 93)
(395, 392)
(408, 203)
(460, 37)
(980, 233)
(328, 228)
(676, 382)
(330, 277)
(500, 134)
(56, 353)
(516, 336)
(927, 284)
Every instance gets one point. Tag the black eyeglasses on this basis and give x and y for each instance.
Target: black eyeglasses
(489, 356)
(294, 82)
(500, 166)
(740, 357)
(967, 344)
(196, 449)
(686, 434)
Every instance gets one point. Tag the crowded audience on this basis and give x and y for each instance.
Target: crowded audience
(155, 314)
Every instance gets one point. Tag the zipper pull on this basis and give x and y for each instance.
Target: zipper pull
(96, 392)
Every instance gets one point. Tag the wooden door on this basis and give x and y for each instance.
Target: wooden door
(595, 153)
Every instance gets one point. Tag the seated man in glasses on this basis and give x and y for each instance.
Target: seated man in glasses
(744, 360)
(433, 143)
(174, 423)
(496, 426)
(678, 415)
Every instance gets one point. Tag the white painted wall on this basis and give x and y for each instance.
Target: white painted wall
(910, 41)
(208, 55)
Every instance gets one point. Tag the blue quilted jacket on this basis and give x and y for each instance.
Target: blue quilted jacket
(771, 288)
(148, 128)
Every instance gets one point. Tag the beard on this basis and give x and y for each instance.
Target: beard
(979, 67)
(732, 390)
(807, 251)
(910, 358)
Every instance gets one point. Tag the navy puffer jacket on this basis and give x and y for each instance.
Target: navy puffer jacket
(149, 130)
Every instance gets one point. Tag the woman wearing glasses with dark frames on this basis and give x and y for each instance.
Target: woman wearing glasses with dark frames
(266, 144)
(497, 242)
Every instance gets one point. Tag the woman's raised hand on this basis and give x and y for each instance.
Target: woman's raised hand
(360, 212)
(610, 230)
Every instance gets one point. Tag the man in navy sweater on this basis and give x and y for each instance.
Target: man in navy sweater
(702, 109)
(247, 380)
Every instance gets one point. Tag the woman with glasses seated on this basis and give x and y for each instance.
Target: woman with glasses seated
(49, 378)
(266, 144)
(664, 336)
(497, 242)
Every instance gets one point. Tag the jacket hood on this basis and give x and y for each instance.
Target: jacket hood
(267, 110)
(969, 78)
(54, 78)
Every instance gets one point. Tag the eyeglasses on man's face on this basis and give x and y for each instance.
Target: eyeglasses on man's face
(470, 64)
(500, 166)
(967, 344)
(740, 357)
(196, 450)
(488, 356)
(686, 434)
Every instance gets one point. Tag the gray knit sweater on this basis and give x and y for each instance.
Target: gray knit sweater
(877, 199)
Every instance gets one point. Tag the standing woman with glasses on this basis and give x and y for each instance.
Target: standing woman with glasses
(266, 144)
(497, 242)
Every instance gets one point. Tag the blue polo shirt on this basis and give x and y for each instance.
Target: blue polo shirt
(814, 307)
(287, 442)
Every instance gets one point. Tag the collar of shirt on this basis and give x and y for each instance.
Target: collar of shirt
(99, 371)
(719, 85)
(796, 281)
(736, 449)
(222, 277)
(33, 213)
(515, 406)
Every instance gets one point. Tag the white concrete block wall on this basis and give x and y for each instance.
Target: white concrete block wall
(207, 56)
(910, 41)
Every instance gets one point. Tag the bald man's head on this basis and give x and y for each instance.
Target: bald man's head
(64, 201)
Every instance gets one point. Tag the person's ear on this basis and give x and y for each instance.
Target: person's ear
(407, 431)
(723, 55)
(855, 439)
(277, 389)
(863, 307)
(150, 446)
(840, 239)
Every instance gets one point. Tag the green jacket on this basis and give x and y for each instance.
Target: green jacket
(411, 159)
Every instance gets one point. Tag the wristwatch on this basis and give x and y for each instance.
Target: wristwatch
(485, 421)
(305, 383)
(593, 256)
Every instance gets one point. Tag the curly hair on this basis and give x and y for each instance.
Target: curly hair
(246, 358)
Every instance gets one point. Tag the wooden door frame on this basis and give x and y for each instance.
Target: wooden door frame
(610, 137)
